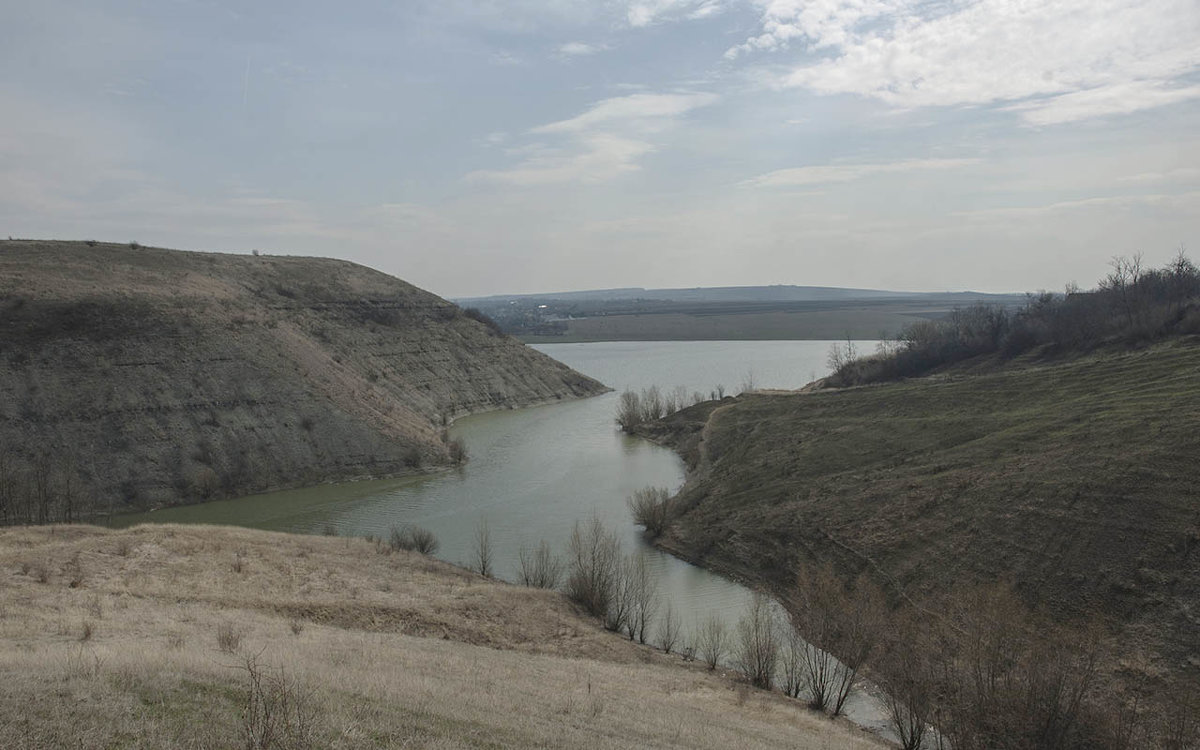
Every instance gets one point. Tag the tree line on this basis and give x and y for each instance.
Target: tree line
(1132, 304)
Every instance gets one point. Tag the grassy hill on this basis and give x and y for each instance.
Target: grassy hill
(1074, 479)
(134, 377)
(201, 637)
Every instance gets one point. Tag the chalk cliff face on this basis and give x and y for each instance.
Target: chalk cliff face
(137, 376)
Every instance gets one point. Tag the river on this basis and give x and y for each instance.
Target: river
(532, 473)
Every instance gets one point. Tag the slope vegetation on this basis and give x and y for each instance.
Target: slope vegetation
(1074, 480)
(134, 376)
(201, 637)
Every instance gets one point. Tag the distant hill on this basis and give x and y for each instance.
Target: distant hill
(773, 293)
(721, 313)
(132, 376)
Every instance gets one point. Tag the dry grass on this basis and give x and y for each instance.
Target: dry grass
(393, 650)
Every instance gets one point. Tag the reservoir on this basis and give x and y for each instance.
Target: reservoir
(532, 473)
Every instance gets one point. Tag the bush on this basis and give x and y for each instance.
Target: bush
(593, 567)
(279, 711)
(540, 568)
(713, 641)
(412, 539)
(757, 652)
(652, 509)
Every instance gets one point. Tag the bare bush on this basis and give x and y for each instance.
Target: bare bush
(280, 711)
(669, 629)
(540, 568)
(482, 554)
(643, 594)
(713, 641)
(841, 628)
(757, 651)
(412, 539)
(791, 662)
(651, 508)
(593, 567)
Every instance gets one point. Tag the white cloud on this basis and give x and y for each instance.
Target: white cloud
(818, 175)
(1059, 61)
(635, 107)
(645, 12)
(1186, 201)
(596, 157)
(1118, 99)
(580, 49)
(604, 142)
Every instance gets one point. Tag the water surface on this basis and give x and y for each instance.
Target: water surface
(532, 473)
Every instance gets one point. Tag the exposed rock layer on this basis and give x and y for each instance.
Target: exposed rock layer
(141, 376)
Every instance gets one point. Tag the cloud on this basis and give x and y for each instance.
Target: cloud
(580, 49)
(641, 107)
(594, 158)
(1056, 61)
(1187, 201)
(1118, 99)
(818, 175)
(602, 143)
(645, 12)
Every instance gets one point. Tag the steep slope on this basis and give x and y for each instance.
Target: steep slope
(136, 376)
(1074, 480)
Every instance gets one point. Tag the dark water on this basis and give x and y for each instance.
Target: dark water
(532, 473)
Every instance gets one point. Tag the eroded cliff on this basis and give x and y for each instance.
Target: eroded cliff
(134, 376)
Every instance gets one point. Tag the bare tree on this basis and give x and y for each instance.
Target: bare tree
(540, 568)
(713, 641)
(669, 629)
(757, 649)
(482, 561)
(594, 558)
(842, 627)
(651, 509)
(644, 594)
(792, 663)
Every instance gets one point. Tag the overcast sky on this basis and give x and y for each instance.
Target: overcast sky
(484, 146)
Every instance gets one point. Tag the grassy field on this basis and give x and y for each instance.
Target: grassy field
(1074, 480)
(149, 637)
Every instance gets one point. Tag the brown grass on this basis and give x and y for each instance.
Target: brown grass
(394, 650)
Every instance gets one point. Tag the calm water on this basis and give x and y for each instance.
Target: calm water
(532, 473)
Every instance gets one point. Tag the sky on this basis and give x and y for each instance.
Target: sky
(474, 147)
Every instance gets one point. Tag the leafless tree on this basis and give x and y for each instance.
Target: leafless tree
(669, 629)
(540, 568)
(481, 562)
(757, 649)
(713, 641)
(594, 559)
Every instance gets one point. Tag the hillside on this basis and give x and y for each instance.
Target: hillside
(1074, 479)
(150, 637)
(133, 377)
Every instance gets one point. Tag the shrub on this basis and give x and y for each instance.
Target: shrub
(757, 649)
(669, 629)
(412, 539)
(593, 567)
(482, 560)
(652, 509)
(540, 568)
(713, 640)
(279, 711)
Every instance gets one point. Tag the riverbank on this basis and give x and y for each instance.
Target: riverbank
(1066, 479)
(151, 636)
